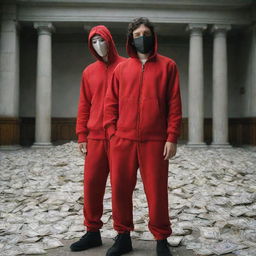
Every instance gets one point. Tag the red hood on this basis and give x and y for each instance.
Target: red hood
(106, 35)
(131, 51)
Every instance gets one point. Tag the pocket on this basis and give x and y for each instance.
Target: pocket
(127, 114)
(152, 118)
(113, 141)
(112, 137)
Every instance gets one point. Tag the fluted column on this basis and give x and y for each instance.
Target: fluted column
(9, 79)
(43, 85)
(220, 86)
(196, 87)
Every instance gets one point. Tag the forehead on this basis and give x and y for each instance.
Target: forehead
(141, 28)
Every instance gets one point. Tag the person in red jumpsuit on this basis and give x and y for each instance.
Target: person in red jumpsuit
(92, 139)
(142, 118)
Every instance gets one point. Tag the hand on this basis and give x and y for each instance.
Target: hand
(82, 148)
(170, 150)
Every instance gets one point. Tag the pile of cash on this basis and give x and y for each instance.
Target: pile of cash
(212, 200)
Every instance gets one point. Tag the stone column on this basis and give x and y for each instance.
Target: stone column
(195, 87)
(43, 85)
(9, 79)
(220, 87)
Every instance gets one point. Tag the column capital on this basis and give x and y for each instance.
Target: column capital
(45, 28)
(220, 28)
(196, 28)
(11, 25)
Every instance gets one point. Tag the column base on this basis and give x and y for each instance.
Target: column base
(10, 147)
(220, 145)
(42, 145)
(196, 145)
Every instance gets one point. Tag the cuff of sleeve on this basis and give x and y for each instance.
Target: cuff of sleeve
(82, 137)
(172, 138)
(110, 131)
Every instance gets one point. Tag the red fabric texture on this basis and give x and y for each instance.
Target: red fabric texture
(144, 102)
(96, 170)
(125, 158)
(94, 81)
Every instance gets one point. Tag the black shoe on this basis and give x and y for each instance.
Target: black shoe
(162, 248)
(87, 241)
(122, 245)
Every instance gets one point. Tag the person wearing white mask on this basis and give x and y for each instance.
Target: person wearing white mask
(92, 140)
(100, 46)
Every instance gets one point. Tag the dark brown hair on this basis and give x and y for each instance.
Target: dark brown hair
(134, 24)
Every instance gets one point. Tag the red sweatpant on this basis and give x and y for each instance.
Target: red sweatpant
(125, 158)
(96, 170)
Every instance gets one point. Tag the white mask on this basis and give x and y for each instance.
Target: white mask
(100, 45)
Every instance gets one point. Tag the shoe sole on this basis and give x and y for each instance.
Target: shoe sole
(79, 250)
(119, 254)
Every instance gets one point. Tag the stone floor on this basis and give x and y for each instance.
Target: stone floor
(141, 248)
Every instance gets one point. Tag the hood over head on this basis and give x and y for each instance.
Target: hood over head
(131, 50)
(106, 35)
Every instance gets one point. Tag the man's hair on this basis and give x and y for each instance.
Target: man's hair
(134, 24)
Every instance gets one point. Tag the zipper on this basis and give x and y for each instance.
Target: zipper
(106, 80)
(141, 81)
(106, 87)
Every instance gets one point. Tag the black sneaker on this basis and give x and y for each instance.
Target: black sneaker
(89, 240)
(122, 245)
(162, 248)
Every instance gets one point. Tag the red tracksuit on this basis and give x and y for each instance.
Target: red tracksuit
(89, 127)
(143, 110)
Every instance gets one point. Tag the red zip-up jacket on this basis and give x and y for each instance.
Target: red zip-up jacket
(95, 77)
(143, 102)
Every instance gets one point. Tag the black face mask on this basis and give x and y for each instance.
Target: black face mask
(144, 44)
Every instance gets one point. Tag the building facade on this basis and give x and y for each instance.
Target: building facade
(43, 51)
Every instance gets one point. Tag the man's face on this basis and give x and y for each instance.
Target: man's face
(143, 39)
(142, 30)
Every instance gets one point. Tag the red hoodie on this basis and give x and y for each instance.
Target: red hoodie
(93, 88)
(143, 102)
